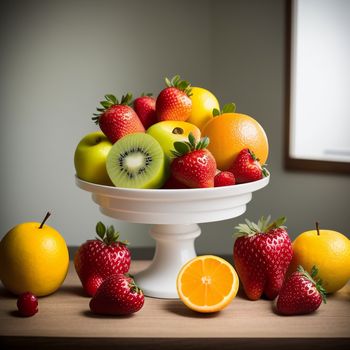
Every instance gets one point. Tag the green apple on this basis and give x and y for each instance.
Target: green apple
(90, 158)
(169, 131)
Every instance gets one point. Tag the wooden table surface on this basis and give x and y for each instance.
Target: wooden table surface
(64, 320)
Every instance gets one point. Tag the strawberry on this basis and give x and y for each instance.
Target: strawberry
(117, 295)
(97, 259)
(173, 102)
(300, 293)
(172, 183)
(247, 168)
(194, 166)
(262, 253)
(145, 108)
(117, 119)
(224, 178)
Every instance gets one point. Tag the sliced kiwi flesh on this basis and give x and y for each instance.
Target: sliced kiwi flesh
(137, 161)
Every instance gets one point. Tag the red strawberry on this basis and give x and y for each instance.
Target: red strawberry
(300, 293)
(117, 119)
(100, 258)
(262, 253)
(172, 183)
(194, 166)
(117, 295)
(224, 178)
(91, 283)
(173, 102)
(145, 108)
(247, 168)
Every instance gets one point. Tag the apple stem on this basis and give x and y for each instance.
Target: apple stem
(317, 228)
(178, 131)
(45, 218)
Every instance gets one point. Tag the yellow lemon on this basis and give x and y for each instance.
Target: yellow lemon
(33, 257)
(203, 103)
(207, 283)
(329, 251)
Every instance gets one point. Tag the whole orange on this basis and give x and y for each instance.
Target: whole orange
(33, 257)
(329, 251)
(229, 133)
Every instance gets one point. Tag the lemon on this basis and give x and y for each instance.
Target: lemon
(33, 257)
(203, 103)
(329, 251)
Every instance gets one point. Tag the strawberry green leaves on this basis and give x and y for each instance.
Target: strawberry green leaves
(264, 170)
(278, 223)
(182, 85)
(312, 278)
(108, 235)
(250, 228)
(111, 100)
(182, 148)
(228, 108)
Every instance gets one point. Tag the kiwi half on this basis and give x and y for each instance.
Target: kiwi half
(137, 161)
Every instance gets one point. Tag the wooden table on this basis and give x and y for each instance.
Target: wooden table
(65, 321)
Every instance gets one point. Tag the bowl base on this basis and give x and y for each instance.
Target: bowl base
(174, 247)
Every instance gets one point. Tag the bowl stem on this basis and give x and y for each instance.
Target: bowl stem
(174, 247)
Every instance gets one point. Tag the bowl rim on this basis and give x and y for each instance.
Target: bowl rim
(173, 193)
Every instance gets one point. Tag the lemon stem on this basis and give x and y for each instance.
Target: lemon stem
(317, 228)
(45, 218)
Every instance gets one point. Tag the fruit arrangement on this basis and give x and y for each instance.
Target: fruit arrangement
(177, 140)
(162, 142)
(295, 275)
(264, 265)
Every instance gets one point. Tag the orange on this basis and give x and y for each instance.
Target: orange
(207, 283)
(33, 257)
(229, 133)
(329, 251)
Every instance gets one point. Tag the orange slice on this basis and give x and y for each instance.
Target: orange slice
(207, 283)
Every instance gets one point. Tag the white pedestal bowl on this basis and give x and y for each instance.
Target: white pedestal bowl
(174, 215)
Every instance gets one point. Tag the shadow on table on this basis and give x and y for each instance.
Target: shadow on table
(4, 293)
(15, 313)
(75, 290)
(88, 313)
(178, 308)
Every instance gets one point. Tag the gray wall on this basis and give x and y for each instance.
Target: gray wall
(58, 58)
